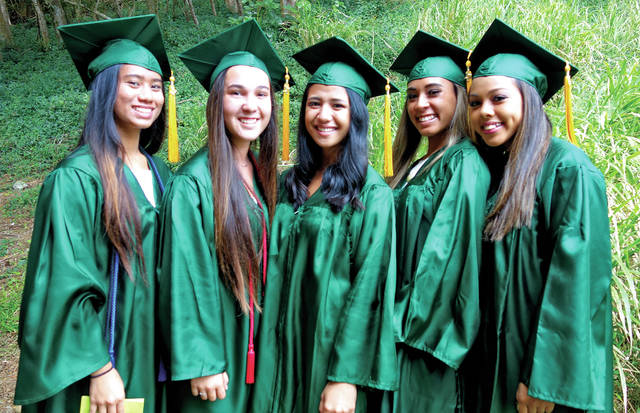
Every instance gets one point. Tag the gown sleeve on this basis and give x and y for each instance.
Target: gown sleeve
(570, 350)
(443, 313)
(62, 322)
(189, 299)
(364, 346)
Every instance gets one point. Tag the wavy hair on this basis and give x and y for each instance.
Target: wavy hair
(235, 246)
(527, 152)
(408, 137)
(100, 133)
(343, 180)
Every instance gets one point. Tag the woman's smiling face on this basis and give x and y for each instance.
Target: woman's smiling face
(246, 102)
(496, 108)
(327, 115)
(431, 104)
(139, 99)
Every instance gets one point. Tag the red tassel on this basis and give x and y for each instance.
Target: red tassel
(251, 365)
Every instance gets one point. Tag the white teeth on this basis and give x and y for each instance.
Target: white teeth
(326, 129)
(491, 126)
(248, 121)
(427, 118)
(143, 110)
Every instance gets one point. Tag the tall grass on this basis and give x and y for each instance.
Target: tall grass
(598, 36)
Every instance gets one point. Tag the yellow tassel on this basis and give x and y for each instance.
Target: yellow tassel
(388, 156)
(173, 152)
(285, 117)
(467, 75)
(567, 103)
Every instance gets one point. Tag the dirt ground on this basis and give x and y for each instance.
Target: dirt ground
(16, 228)
(8, 370)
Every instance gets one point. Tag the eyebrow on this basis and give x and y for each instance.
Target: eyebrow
(491, 91)
(141, 77)
(426, 86)
(241, 86)
(332, 100)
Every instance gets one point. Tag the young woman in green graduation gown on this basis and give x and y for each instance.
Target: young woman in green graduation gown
(439, 219)
(545, 337)
(97, 214)
(215, 219)
(329, 297)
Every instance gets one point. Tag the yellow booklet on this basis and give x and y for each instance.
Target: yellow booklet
(130, 405)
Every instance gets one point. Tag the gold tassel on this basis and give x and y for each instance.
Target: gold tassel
(285, 117)
(567, 103)
(173, 152)
(467, 75)
(388, 156)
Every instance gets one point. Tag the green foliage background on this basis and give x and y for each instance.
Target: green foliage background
(42, 102)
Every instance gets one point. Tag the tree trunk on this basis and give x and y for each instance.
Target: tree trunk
(5, 23)
(80, 6)
(58, 15)
(95, 9)
(118, 4)
(42, 24)
(286, 6)
(235, 6)
(152, 5)
(213, 7)
(192, 12)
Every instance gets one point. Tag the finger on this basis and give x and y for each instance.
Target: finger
(102, 408)
(203, 394)
(212, 395)
(221, 392)
(120, 406)
(92, 407)
(194, 390)
(111, 407)
(225, 379)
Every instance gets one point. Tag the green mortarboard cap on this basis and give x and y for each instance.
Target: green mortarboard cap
(503, 51)
(335, 62)
(244, 44)
(430, 56)
(95, 46)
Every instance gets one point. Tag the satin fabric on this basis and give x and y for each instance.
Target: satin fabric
(329, 302)
(204, 329)
(439, 221)
(63, 312)
(545, 295)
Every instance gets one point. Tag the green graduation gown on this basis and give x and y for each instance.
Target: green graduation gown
(439, 222)
(546, 299)
(64, 304)
(328, 313)
(204, 329)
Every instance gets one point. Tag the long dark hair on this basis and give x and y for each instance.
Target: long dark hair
(119, 211)
(408, 137)
(343, 180)
(235, 245)
(527, 152)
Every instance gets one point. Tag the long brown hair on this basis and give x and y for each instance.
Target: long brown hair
(235, 246)
(119, 210)
(527, 152)
(408, 138)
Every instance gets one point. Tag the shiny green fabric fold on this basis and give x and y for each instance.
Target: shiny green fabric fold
(546, 300)
(63, 312)
(439, 222)
(204, 329)
(329, 301)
